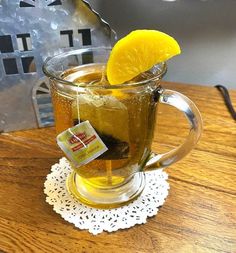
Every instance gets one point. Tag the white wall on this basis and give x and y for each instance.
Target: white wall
(206, 31)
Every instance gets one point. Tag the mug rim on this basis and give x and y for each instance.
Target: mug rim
(55, 77)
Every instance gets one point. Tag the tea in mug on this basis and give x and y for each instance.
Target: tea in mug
(122, 119)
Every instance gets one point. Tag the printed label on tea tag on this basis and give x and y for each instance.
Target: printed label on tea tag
(81, 143)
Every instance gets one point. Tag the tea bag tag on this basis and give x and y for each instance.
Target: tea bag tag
(81, 143)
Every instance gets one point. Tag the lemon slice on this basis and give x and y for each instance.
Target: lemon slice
(138, 52)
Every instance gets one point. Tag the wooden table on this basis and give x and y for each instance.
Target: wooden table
(198, 216)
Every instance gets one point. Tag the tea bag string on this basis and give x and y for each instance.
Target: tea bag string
(78, 115)
(76, 137)
(77, 104)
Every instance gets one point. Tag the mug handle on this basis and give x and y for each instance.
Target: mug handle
(185, 105)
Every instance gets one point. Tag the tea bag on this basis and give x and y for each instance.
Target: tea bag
(109, 118)
(81, 143)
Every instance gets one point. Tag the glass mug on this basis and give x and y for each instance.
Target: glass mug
(123, 116)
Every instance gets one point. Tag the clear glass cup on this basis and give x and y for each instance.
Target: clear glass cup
(124, 116)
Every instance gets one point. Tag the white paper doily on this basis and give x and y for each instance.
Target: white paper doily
(99, 220)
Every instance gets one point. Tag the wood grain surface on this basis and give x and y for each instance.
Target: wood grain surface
(198, 216)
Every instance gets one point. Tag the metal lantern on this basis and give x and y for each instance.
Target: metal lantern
(31, 31)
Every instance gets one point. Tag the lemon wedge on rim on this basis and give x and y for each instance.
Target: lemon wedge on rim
(138, 52)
